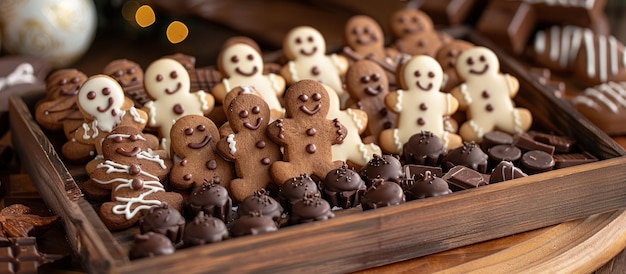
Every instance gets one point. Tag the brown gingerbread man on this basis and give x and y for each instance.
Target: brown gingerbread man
(305, 133)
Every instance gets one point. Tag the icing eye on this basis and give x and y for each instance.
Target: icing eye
(298, 41)
(365, 79)
(317, 96)
(159, 78)
(243, 114)
(250, 57)
(417, 73)
(75, 80)
(376, 76)
(234, 59)
(355, 31)
(91, 95)
(106, 91)
(452, 53)
(451, 63)
(470, 61)
(414, 19)
(173, 74)
(303, 98)
(401, 20)
(421, 43)
(201, 127)
(431, 74)
(118, 139)
(481, 58)
(366, 30)
(188, 131)
(310, 39)
(131, 71)
(133, 138)
(118, 73)
(63, 82)
(256, 110)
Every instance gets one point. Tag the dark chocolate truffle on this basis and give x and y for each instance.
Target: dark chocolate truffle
(536, 161)
(424, 148)
(419, 186)
(311, 208)
(165, 220)
(204, 229)
(501, 153)
(381, 194)
(343, 187)
(505, 171)
(261, 201)
(469, 155)
(150, 245)
(212, 198)
(494, 138)
(252, 224)
(386, 167)
(294, 190)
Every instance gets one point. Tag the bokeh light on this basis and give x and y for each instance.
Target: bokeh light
(145, 16)
(177, 32)
(129, 10)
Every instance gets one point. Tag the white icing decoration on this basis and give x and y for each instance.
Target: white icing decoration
(476, 128)
(540, 42)
(396, 140)
(581, 99)
(226, 84)
(613, 52)
(87, 128)
(467, 97)
(201, 95)
(151, 112)
(355, 119)
(113, 167)
(587, 4)
(293, 71)
(246, 89)
(364, 153)
(591, 62)
(602, 56)
(232, 144)
(22, 74)
(554, 39)
(336, 62)
(445, 140)
(565, 44)
(150, 156)
(136, 117)
(152, 186)
(398, 106)
(138, 136)
(517, 123)
(275, 83)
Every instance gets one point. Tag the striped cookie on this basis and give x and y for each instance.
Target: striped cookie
(605, 106)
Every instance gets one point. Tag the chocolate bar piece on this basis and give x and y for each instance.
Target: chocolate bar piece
(505, 171)
(20, 255)
(526, 143)
(461, 177)
(536, 161)
(448, 12)
(418, 170)
(508, 24)
(572, 159)
(561, 144)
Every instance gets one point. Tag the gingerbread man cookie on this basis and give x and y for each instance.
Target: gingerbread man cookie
(248, 146)
(241, 64)
(420, 105)
(101, 100)
(194, 139)
(352, 148)
(447, 55)
(204, 78)
(134, 174)
(367, 84)
(130, 77)
(305, 133)
(305, 48)
(415, 33)
(167, 82)
(486, 95)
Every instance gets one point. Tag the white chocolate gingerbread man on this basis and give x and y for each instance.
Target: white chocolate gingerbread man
(241, 64)
(420, 105)
(355, 120)
(305, 47)
(486, 95)
(167, 82)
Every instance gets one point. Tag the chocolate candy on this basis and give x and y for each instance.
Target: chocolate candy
(311, 208)
(424, 148)
(505, 171)
(20, 255)
(525, 142)
(508, 24)
(461, 177)
(150, 245)
(572, 159)
(343, 187)
(204, 229)
(386, 167)
(212, 198)
(536, 161)
(293, 190)
(501, 153)
(381, 194)
(469, 155)
(424, 185)
(494, 138)
(253, 224)
(418, 170)
(561, 144)
(449, 12)
(165, 220)
(261, 201)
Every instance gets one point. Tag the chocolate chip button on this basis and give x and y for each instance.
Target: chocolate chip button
(178, 109)
(211, 165)
(421, 121)
(134, 170)
(383, 112)
(136, 184)
(311, 132)
(265, 161)
(311, 148)
(315, 70)
(260, 144)
(489, 108)
(485, 94)
(423, 107)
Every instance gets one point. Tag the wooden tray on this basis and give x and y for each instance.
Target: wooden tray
(365, 239)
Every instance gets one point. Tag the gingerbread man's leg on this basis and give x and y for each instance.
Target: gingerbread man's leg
(390, 141)
(451, 140)
(243, 187)
(282, 171)
(474, 130)
(115, 221)
(521, 119)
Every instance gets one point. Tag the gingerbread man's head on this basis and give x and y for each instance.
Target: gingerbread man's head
(306, 99)
(248, 112)
(64, 82)
(409, 21)
(124, 145)
(366, 79)
(126, 72)
(166, 78)
(304, 42)
(447, 56)
(193, 133)
(363, 33)
(240, 60)
(422, 73)
(476, 62)
(101, 98)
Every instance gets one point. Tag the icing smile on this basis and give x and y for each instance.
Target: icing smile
(427, 88)
(373, 91)
(202, 144)
(251, 127)
(109, 105)
(178, 86)
(70, 92)
(306, 110)
(131, 153)
(253, 72)
(313, 50)
(366, 41)
(481, 71)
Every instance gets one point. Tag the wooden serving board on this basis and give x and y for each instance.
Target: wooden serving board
(364, 239)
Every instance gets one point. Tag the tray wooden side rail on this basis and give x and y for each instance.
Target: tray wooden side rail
(365, 239)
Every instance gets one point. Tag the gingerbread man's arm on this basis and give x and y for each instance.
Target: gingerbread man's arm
(452, 104)
(359, 117)
(285, 71)
(150, 108)
(391, 100)
(278, 83)
(340, 62)
(340, 131)
(207, 100)
(459, 94)
(86, 134)
(219, 92)
(276, 131)
(512, 84)
(227, 147)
